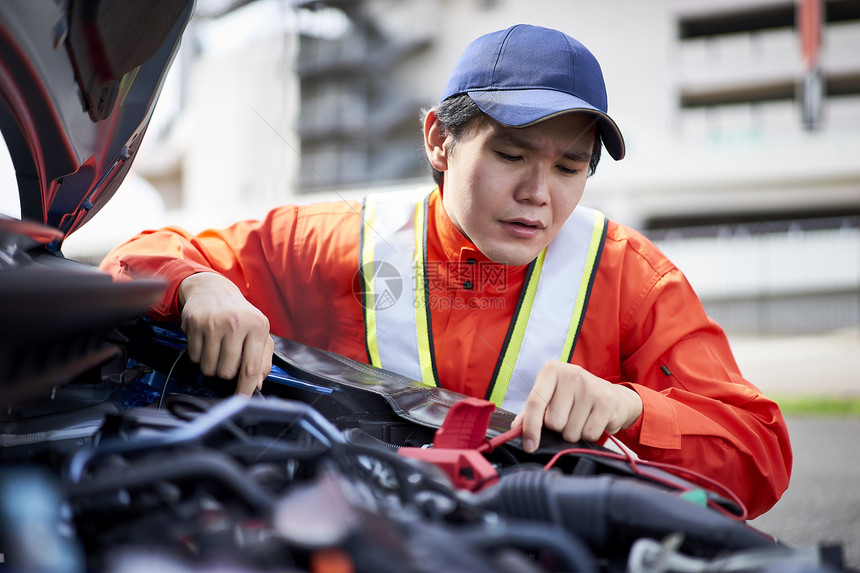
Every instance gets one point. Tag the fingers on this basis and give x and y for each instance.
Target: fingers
(531, 432)
(195, 341)
(589, 425)
(227, 336)
(570, 400)
(256, 364)
(204, 348)
(536, 406)
(569, 405)
(216, 343)
(246, 353)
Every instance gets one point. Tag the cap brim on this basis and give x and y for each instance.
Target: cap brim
(522, 108)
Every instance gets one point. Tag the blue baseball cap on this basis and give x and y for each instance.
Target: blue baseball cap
(527, 74)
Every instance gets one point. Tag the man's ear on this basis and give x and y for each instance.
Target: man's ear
(434, 142)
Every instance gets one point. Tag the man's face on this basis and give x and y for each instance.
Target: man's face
(510, 190)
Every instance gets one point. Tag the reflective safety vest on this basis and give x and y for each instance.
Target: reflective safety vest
(395, 296)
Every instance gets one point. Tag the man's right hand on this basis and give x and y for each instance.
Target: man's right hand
(226, 334)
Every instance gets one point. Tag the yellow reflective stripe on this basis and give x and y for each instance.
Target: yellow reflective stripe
(366, 266)
(512, 351)
(584, 283)
(425, 355)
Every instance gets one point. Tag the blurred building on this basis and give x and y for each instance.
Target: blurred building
(742, 121)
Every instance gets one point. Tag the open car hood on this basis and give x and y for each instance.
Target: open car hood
(78, 82)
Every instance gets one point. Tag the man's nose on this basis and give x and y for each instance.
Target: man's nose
(534, 187)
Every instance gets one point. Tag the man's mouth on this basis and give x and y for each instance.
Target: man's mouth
(523, 228)
(525, 223)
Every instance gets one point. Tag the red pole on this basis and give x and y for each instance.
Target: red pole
(809, 21)
(809, 24)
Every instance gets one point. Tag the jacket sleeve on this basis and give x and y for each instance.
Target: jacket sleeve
(252, 254)
(698, 410)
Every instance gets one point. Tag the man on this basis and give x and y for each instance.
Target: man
(509, 290)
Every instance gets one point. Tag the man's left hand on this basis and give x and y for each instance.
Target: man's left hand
(570, 400)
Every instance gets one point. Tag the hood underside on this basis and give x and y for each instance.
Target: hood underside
(78, 83)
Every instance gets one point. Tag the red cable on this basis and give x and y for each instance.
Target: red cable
(671, 468)
(492, 443)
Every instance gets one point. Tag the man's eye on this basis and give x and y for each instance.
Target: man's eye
(506, 157)
(568, 170)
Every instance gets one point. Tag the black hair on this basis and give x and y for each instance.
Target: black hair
(456, 113)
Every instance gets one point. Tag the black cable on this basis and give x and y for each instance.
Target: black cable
(187, 407)
(169, 374)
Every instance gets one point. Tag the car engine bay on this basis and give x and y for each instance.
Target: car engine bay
(139, 461)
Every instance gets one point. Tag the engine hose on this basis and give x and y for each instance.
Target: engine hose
(265, 449)
(359, 436)
(509, 458)
(531, 536)
(609, 513)
(184, 466)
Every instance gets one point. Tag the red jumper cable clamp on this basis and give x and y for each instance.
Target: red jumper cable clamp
(459, 445)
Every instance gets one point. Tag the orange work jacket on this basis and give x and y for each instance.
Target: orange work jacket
(644, 326)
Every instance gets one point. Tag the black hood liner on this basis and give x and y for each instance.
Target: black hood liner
(54, 321)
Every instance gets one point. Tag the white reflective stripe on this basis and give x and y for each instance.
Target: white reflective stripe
(558, 292)
(392, 237)
(365, 269)
(422, 308)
